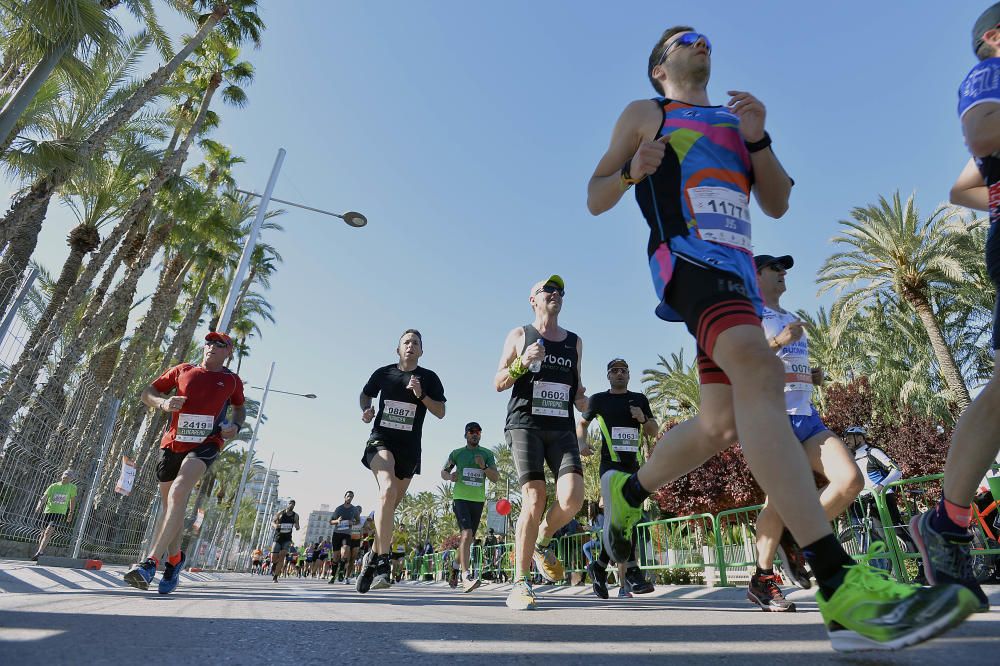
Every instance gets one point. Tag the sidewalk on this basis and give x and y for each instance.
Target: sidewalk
(26, 577)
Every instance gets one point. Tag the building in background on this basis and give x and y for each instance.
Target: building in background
(318, 527)
(255, 482)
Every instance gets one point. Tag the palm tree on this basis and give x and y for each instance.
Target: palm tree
(894, 251)
(674, 392)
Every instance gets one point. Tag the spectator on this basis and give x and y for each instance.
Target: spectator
(59, 500)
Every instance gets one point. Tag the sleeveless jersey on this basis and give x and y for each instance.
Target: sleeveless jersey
(697, 203)
(286, 522)
(982, 85)
(795, 358)
(543, 400)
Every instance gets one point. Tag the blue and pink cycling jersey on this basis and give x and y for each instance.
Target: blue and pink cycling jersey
(697, 204)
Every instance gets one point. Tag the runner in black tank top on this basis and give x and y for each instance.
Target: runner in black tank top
(283, 524)
(541, 363)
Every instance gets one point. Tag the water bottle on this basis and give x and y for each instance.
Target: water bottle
(537, 365)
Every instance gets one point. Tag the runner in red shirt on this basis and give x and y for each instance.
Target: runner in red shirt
(197, 431)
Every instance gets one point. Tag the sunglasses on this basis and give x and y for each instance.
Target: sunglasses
(622, 371)
(687, 39)
(218, 344)
(550, 289)
(473, 432)
(777, 268)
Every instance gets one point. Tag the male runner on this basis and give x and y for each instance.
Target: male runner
(191, 443)
(695, 165)
(540, 430)
(942, 534)
(624, 416)
(59, 502)
(472, 465)
(825, 451)
(283, 523)
(405, 392)
(345, 518)
(255, 560)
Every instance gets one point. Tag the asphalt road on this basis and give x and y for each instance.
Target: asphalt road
(250, 620)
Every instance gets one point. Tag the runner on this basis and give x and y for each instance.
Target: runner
(283, 523)
(942, 534)
(877, 471)
(471, 464)
(255, 560)
(624, 416)
(59, 502)
(541, 364)
(825, 451)
(191, 443)
(405, 392)
(695, 165)
(322, 558)
(345, 519)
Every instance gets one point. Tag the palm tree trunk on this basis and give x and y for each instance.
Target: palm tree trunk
(26, 92)
(16, 259)
(177, 351)
(942, 353)
(45, 186)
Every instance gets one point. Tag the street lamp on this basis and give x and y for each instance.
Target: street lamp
(351, 217)
(311, 396)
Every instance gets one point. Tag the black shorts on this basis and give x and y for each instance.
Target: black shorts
(170, 463)
(281, 545)
(338, 541)
(533, 449)
(407, 458)
(467, 513)
(355, 543)
(323, 557)
(710, 301)
(50, 519)
(993, 270)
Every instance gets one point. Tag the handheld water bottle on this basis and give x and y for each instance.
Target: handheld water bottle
(536, 366)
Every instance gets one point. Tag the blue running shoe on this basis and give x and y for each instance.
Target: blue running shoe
(142, 574)
(620, 517)
(172, 575)
(946, 557)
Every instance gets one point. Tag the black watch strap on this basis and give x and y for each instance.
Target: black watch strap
(757, 146)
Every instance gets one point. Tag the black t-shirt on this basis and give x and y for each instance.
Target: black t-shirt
(286, 521)
(624, 431)
(543, 400)
(400, 416)
(346, 516)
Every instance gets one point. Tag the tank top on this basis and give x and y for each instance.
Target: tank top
(543, 400)
(286, 521)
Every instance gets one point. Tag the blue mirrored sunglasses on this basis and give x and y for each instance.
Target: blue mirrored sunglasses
(687, 39)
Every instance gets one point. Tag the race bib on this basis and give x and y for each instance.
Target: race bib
(398, 415)
(472, 476)
(798, 375)
(723, 215)
(344, 526)
(194, 428)
(550, 399)
(60, 498)
(285, 528)
(625, 440)
(355, 531)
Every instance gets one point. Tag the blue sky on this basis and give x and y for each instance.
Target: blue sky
(466, 133)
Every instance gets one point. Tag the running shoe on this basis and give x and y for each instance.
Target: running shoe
(946, 557)
(871, 611)
(637, 582)
(598, 579)
(172, 575)
(620, 517)
(34, 558)
(381, 582)
(471, 583)
(383, 576)
(521, 597)
(364, 581)
(453, 578)
(142, 574)
(793, 562)
(623, 592)
(763, 591)
(333, 579)
(548, 564)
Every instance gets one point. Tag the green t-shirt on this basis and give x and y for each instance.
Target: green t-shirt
(57, 497)
(470, 483)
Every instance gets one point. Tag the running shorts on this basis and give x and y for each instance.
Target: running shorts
(50, 519)
(711, 301)
(339, 540)
(281, 545)
(407, 459)
(533, 449)
(468, 514)
(993, 269)
(807, 426)
(170, 463)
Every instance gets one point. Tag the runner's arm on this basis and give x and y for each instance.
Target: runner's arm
(894, 473)
(581, 429)
(153, 398)
(238, 417)
(581, 400)
(772, 184)
(981, 127)
(969, 189)
(605, 188)
(433, 406)
(515, 340)
(492, 473)
(446, 474)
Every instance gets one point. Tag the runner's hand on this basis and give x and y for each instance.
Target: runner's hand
(817, 376)
(453, 477)
(229, 431)
(533, 352)
(648, 157)
(585, 449)
(751, 113)
(479, 461)
(368, 415)
(792, 332)
(414, 385)
(637, 413)
(173, 404)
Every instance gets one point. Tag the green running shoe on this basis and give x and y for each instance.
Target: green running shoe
(620, 517)
(870, 611)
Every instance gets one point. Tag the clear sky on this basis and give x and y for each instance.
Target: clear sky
(466, 133)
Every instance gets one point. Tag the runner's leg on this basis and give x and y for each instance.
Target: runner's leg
(391, 491)
(191, 471)
(532, 507)
(569, 499)
(974, 445)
